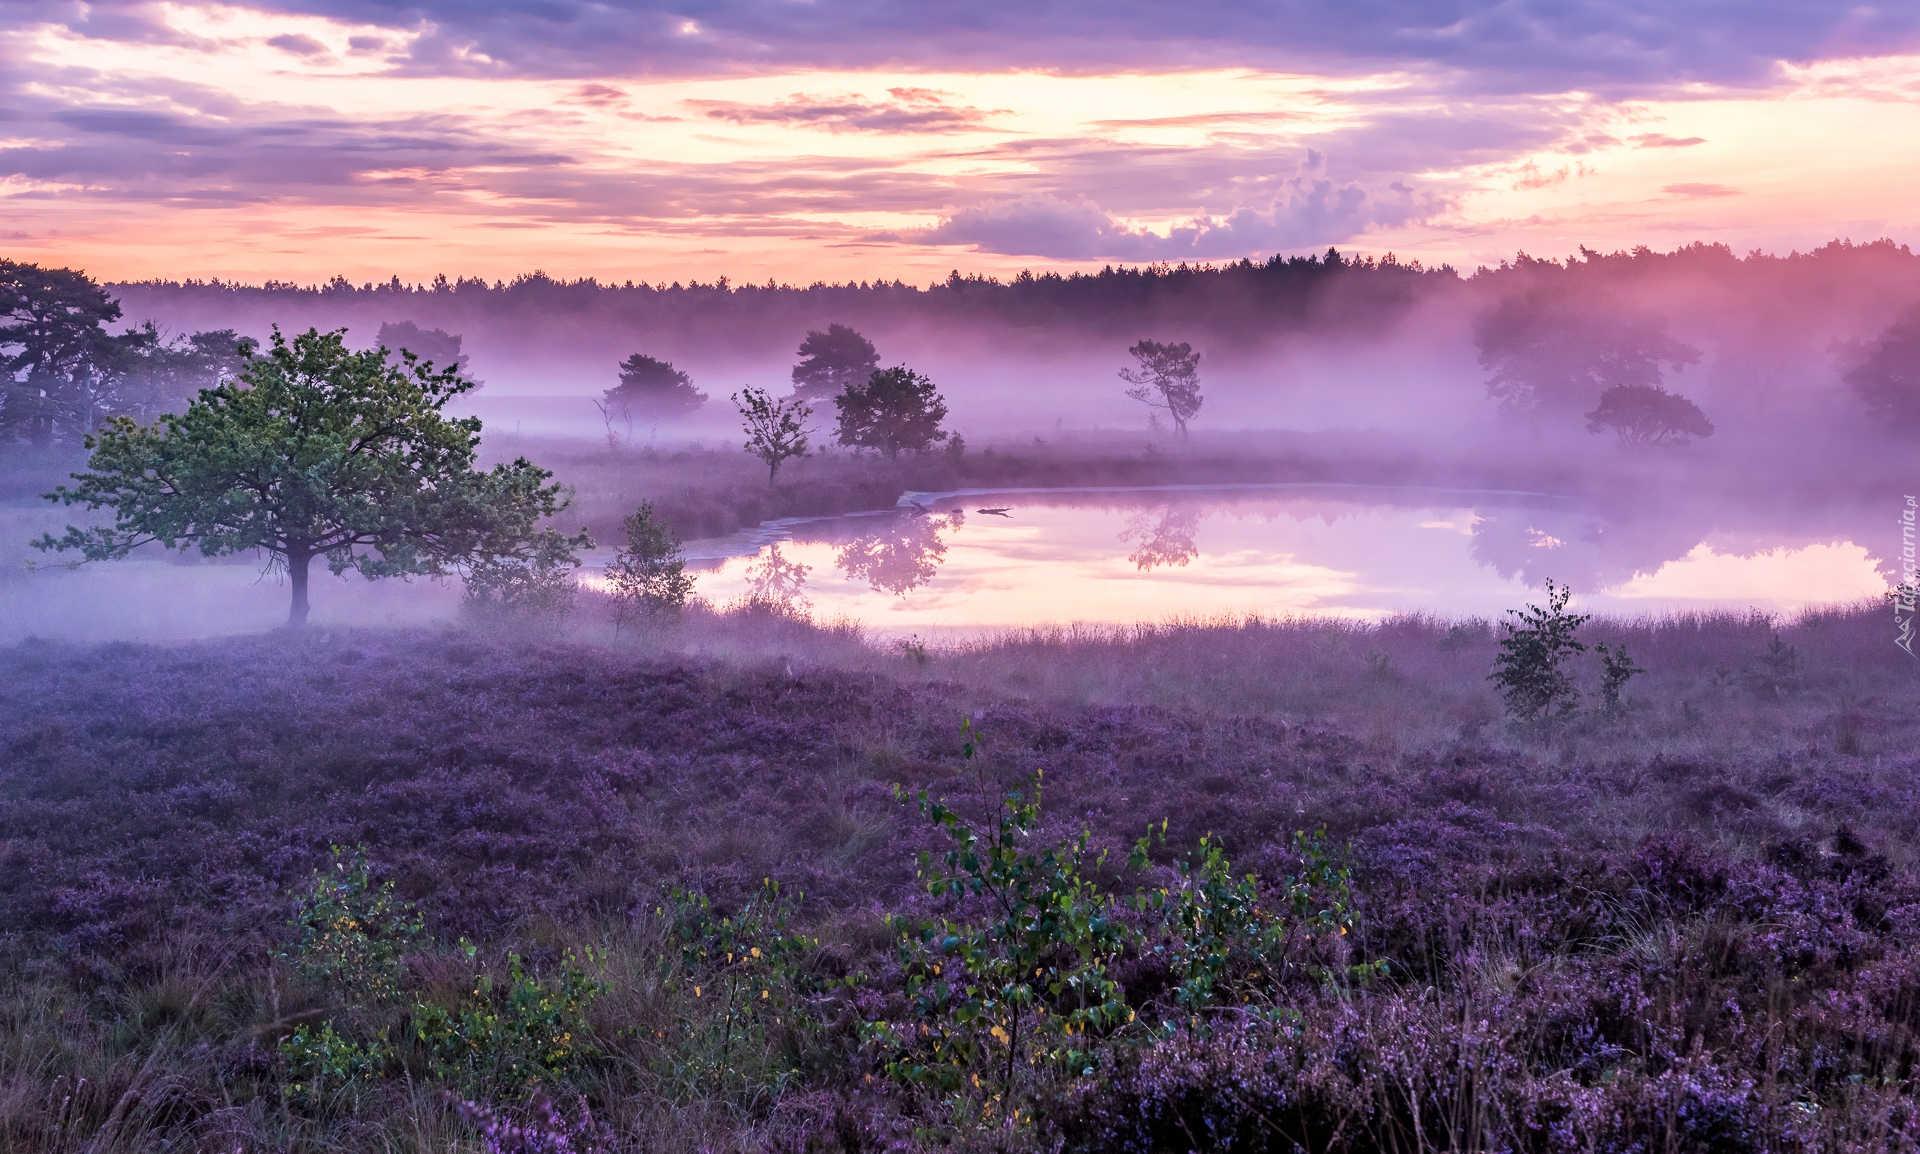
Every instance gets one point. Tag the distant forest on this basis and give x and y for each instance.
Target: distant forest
(1246, 297)
(1772, 334)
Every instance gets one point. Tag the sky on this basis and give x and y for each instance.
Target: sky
(803, 140)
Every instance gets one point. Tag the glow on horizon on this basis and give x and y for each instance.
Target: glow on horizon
(1825, 152)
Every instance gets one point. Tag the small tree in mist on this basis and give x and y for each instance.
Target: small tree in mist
(1648, 415)
(537, 582)
(650, 573)
(653, 388)
(831, 361)
(316, 451)
(1887, 376)
(1167, 379)
(896, 410)
(776, 430)
(1531, 669)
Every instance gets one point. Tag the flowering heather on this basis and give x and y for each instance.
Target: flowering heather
(1690, 927)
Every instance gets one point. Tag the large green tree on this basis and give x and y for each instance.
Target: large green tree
(315, 451)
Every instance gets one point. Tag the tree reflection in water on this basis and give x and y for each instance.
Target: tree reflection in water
(903, 554)
(776, 580)
(1166, 541)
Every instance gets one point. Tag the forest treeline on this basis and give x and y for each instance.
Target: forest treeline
(1598, 338)
(1249, 297)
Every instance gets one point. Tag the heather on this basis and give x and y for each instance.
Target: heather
(1684, 926)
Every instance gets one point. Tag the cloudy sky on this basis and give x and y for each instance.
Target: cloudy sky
(834, 139)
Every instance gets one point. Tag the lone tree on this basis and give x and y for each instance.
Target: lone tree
(653, 388)
(316, 451)
(1648, 415)
(831, 361)
(1887, 378)
(1167, 379)
(1549, 353)
(650, 573)
(776, 430)
(897, 410)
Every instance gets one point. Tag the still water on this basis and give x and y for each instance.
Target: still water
(998, 558)
(981, 560)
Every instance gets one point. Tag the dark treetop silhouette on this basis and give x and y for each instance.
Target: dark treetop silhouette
(1887, 377)
(831, 361)
(315, 451)
(894, 411)
(1647, 415)
(62, 373)
(1168, 379)
(653, 387)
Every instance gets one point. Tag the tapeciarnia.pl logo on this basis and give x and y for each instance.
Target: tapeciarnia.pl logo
(1904, 596)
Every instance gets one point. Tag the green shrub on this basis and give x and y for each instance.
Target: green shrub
(532, 1029)
(748, 977)
(1000, 1005)
(321, 1064)
(1616, 668)
(351, 934)
(1531, 666)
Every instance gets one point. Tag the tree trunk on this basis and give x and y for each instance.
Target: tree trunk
(297, 562)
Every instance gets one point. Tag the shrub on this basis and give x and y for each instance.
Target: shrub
(650, 573)
(352, 934)
(537, 584)
(1616, 668)
(530, 1030)
(1531, 667)
(747, 976)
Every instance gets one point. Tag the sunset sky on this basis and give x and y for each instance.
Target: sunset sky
(824, 139)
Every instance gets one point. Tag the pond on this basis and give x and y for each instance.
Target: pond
(998, 558)
(945, 563)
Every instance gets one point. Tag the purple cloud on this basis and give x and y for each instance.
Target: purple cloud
(1608, 46)
(911, 110)
(299, 44)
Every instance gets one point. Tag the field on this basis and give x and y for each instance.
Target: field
(1690, 927)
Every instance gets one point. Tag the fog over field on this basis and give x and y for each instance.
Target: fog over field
(829, 578)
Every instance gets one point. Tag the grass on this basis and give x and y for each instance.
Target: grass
(1686, 929)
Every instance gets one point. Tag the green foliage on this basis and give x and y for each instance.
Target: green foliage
(351, 933)
(1024, 990)
(314, 451)
(1531, 668)
(748, 978)
(537, 583)
(528, 1029)
(1225, 943)
(322, 1063)
(893, 411)
(649, 574)
(776, 430)
(353, 937)
(1616, 668)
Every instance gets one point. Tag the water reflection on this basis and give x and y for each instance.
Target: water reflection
(773, 578)
(902, 553)
(1164, 539)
